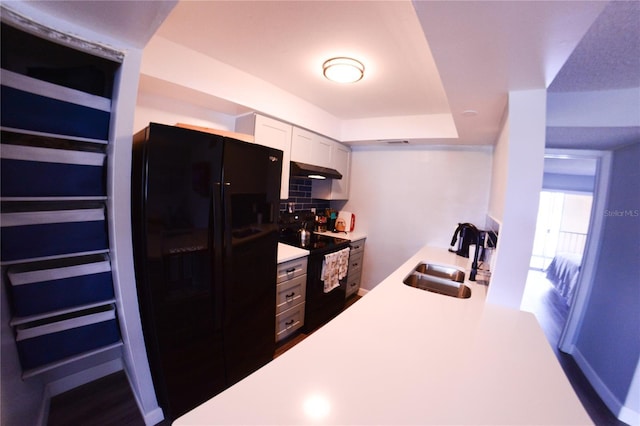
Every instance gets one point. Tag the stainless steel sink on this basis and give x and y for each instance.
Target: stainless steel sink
(439, 279)
(441, 271)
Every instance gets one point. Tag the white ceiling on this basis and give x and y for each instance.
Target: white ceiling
(421, 57)
(285, 43)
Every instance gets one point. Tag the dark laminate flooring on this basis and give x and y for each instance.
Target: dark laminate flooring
(551, 311)
(103, 402)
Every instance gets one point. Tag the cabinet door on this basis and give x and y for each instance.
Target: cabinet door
(311, 148)
(322, 151)
(335, 189)
(341, 159)
(302, 146)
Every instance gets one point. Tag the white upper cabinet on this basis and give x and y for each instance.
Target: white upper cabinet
(335, 189)
(271, 133)
(310, 148)
(302, 146)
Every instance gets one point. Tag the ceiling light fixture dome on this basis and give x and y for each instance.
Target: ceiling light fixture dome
(343, 70)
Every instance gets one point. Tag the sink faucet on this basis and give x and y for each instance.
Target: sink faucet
(474, 264)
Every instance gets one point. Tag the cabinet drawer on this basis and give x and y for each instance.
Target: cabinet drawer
(292, 269)
(354, 274)
(357, 246)
(355, 263)
(290, 293)
(289, 321)
(353, 284)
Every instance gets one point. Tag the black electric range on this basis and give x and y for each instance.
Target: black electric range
(316, 244)
(320, 307)
(292, 223)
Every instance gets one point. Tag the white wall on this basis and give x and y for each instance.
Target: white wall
(499, 172)
(609, 329)
(157, 109)
(407, 197)
(515, 192)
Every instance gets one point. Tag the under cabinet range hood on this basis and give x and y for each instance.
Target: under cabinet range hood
(314, 172)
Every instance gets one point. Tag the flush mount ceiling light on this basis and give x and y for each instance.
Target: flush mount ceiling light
(343, 70)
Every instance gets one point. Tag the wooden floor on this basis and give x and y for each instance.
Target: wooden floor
(104, 402)
(551, 311)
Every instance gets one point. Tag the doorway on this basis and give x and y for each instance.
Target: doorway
(559, 242)
(562, 226)
(565, 233)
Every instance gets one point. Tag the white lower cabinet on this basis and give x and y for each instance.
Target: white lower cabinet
(356, 256)
(290, 297)
(289, 321)
(290, 293)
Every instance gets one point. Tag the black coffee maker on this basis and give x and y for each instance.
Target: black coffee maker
(465, 235)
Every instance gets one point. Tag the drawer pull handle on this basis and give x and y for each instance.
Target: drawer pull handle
(355, 264)
(289, 323)
(354, 284)
(290, 295)
(290, 270)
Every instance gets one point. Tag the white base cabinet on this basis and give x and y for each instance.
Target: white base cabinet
(290, 297)
(356, 256)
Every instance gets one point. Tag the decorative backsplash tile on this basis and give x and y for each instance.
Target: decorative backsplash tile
(300, 195)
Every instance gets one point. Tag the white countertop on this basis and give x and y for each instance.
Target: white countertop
(287, 252)
(401, 355)
(353, 236)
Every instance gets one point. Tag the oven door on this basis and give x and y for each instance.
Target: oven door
(321, 307)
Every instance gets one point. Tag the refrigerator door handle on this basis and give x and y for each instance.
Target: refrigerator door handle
(217, 249)
(226, 197)
(228, 251)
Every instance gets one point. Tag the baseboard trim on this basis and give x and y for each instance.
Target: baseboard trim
(609, 399)
(629, 416)
(152, 417)
(362, 291)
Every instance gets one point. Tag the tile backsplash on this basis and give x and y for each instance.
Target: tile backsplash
(300, 194)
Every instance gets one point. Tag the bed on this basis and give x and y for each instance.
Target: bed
(563, 273)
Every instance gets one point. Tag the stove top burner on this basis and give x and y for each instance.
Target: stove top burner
(292, 223)
(317, 244)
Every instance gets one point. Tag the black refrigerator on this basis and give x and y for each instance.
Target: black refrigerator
(205, 237)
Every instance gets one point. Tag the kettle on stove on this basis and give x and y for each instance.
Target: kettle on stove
(465, 235)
